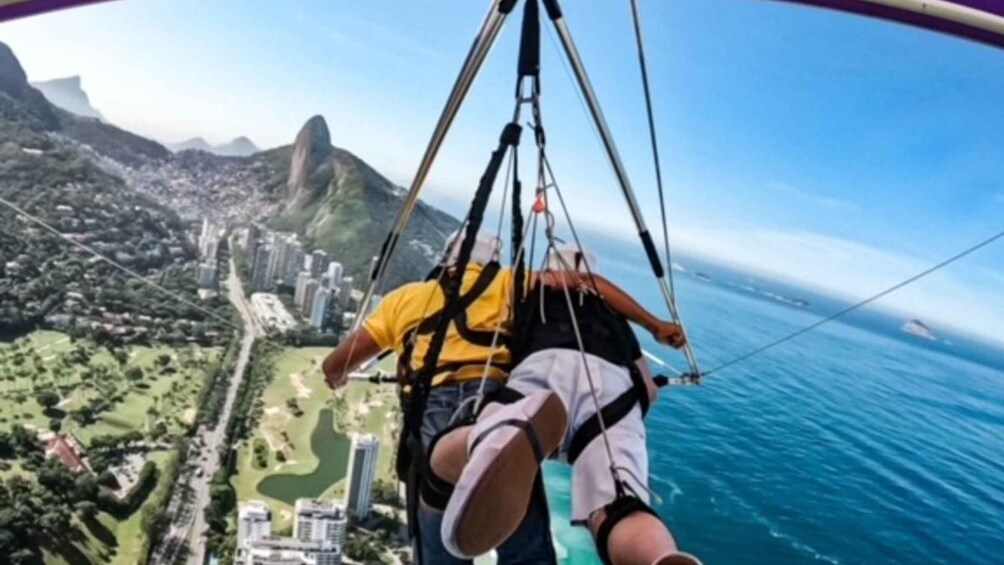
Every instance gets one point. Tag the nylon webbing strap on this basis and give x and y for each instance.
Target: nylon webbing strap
(591, 429)
(452, 282)
(529, 44)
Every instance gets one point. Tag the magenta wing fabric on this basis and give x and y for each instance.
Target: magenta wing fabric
(978, 20)
(12, 9)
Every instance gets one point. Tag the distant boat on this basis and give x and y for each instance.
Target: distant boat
(917, 328)
(702, 277)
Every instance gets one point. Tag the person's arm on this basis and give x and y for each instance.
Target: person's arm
(348, 356)
(664, 332)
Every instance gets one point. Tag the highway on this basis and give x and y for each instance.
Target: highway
(191, 492)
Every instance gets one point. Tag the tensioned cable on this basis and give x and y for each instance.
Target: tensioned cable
(131, 273)
(857, 305)
(653, 138)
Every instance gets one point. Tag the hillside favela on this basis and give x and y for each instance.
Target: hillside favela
(166, 312)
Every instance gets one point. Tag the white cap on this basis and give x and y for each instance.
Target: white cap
(570, 255)
(487, 248)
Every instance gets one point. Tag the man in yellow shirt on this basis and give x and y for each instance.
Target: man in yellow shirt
(404, 322)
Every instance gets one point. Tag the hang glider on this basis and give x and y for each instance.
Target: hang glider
(977, 20)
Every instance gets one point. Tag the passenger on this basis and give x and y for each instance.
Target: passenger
(410, 310)
(493, 462)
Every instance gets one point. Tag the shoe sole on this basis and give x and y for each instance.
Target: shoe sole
(498, 501)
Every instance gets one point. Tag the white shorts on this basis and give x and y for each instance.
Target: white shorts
(564, 372)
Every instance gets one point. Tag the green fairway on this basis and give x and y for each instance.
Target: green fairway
(332, 451)
(316, 443)
(46, 361)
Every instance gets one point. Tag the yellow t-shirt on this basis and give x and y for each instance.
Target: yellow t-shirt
(404, 308)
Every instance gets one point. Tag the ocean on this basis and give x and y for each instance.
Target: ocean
(851, 444)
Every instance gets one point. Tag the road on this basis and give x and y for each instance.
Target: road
(191, 493)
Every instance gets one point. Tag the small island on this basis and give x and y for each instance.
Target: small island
(917, 328)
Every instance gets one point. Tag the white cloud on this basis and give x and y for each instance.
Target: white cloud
(820, 199)
(852, 270)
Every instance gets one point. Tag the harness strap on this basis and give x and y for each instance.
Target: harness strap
(612, 413)
(622, 507)
(428, 325)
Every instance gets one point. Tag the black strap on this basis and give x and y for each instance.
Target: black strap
(481, 284)
(427, 325)
(611, 413)
(622, 507)
(504, 395)
(640, 389)
(524, 425)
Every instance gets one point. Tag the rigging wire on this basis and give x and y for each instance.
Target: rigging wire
(653, 138)
(860, 304)
(129, 272)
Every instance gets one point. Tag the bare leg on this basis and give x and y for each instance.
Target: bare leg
(640, 539)
(450, 454)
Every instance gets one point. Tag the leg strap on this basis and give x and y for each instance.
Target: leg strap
(611, 414)
(435, 490)
(622, 507)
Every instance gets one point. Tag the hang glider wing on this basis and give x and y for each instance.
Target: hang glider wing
(978, 20)
(13, 9)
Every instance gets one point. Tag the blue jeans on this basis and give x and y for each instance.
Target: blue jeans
(531, 544)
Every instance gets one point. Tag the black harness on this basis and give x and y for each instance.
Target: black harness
(544, 322)
(426, 328)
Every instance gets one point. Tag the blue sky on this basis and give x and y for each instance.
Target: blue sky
(826, 149)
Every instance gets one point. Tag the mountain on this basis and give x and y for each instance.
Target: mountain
(342, 205)
(237, 147)
(328, 195)
(50, 167)
(196, 143)
(67, 94)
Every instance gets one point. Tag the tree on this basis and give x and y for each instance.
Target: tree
(55, 425)
(134, 373)
(86, 509)
(121, 355)
(47, 399)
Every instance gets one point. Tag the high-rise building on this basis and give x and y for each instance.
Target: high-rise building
(259, 270)
(308, 297)
(301, 288)
(319, 309)
(207, 227)
(278, 262)
(336, 272)
(362, 469)
(318, 263)
(293, 261)
(208, 247)
(319, 520)
(251, 236)
(344, 293)
(254, 522)
(206, 276)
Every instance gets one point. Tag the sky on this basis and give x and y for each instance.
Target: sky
(825, 149)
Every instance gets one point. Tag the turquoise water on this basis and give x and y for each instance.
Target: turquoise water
(843, 446)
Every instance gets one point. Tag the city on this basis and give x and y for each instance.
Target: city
(163, 317)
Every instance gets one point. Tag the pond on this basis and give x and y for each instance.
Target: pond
(332, 451)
